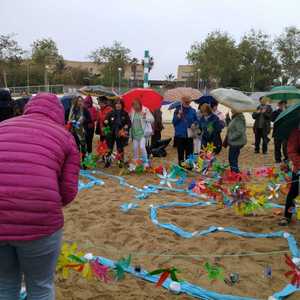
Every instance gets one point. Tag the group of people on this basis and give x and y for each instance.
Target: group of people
(115, 126)
(196, 129)
(40, 164)
(262, 128)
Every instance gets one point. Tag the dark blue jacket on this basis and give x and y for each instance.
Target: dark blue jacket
(181, 125)
(211, 131)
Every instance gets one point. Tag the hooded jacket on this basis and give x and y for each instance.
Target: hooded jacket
(88, 104)
(39, 169)
(236, 133)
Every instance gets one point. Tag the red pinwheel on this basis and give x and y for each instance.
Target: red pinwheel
(200, 187)
(294, 272)
(102, 148)
(164, 274)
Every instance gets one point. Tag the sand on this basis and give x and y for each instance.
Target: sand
(95, 222)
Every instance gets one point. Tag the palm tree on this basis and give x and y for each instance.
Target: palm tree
(170, 77)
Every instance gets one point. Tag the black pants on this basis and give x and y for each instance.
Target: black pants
(261, 135)
(89, 135)
(293, 193)
(155, 138)
(280, 147)
(112, 140)
(233, 157)
(185, 147)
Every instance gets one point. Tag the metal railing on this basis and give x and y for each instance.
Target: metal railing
(34, 89)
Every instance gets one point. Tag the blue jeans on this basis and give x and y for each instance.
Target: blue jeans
(234, 153)
(36, 260)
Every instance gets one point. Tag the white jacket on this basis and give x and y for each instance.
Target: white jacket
(147, 121)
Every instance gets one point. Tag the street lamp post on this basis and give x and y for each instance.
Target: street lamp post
(27, 76)
(198, 78)
(120, 73)
(46, 83)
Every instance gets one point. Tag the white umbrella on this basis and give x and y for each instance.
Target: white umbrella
(235, 100)
(178, 93)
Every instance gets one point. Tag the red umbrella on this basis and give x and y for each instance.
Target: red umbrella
(148, 97)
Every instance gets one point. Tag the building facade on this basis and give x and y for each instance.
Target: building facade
(95, 69)
(186, 73)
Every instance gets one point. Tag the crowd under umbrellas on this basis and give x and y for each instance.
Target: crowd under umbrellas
(136, 116)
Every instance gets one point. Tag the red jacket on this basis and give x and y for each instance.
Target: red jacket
(294, 149)
(102, 113)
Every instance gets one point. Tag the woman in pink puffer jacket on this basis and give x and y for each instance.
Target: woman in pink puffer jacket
(39, 169)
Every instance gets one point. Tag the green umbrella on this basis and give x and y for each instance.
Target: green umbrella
(288, 93)
(287, 121)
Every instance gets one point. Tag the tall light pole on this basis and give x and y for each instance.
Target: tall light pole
(198, 78)
(46, 83)
(120, 74)
(27, 75)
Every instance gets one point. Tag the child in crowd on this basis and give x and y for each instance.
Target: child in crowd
(141, 130)
(77, 118)
(119, 124)
(89, 123)
(211, 127)
(103, 111)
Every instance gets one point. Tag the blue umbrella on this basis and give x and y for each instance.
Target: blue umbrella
(206, 99)
(174, 105)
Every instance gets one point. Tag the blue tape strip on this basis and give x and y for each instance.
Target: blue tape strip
(186, 287)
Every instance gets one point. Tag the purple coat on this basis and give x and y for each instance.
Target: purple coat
(39, 169)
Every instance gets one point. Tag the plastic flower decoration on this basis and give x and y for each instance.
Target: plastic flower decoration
(274, 191)
(68, 253)
(199, 187)
(102, 148)
(214, 272)
(121, 266)
(294, 272)
(164, 274)
(191, 161)
(100, 271)
(106, 130)
(208, 151)
(166, 179)
(90, 161)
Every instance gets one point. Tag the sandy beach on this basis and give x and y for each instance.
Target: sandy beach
(95, 222)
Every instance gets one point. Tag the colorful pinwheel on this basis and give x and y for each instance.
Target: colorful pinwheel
(166, 179)
(164, 274)
(121, 266)
(214, 272)
(294, 272)
(274, 191)
(102, 148)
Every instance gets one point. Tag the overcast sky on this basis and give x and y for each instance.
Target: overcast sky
(166, 27)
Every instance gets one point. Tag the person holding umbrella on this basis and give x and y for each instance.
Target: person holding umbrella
(183, 119)
(287, 126)
(293, 149)
(262, 125)
(141, 130)
(280, 146)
